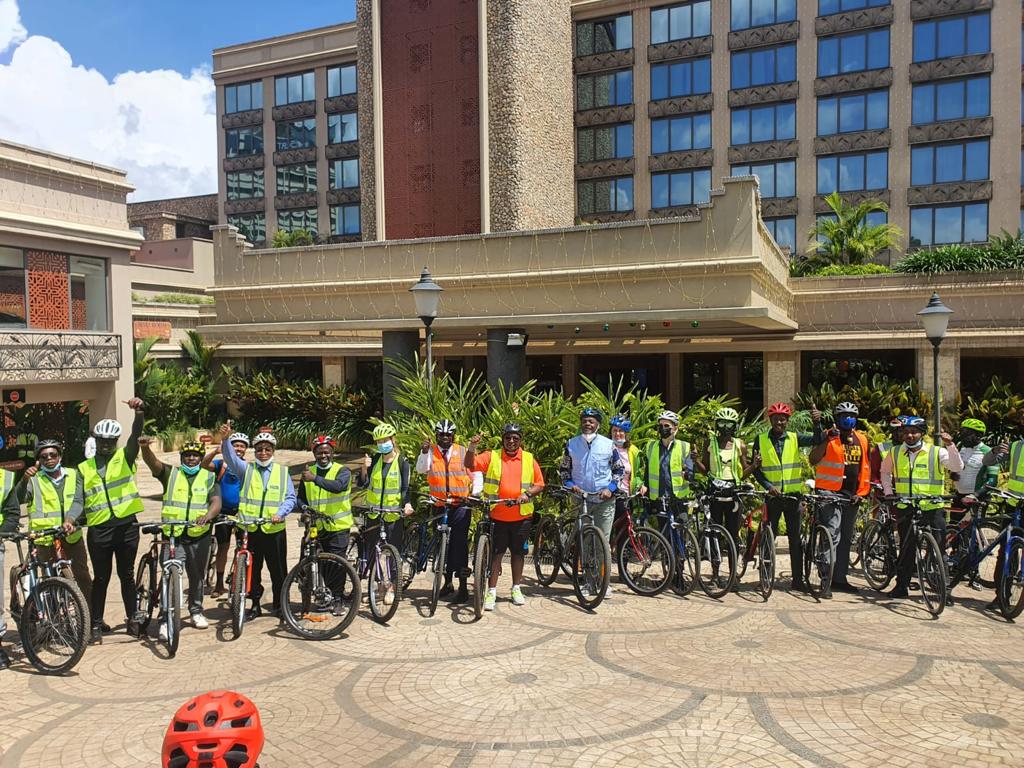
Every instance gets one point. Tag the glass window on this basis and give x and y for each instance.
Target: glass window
(853, 53)
(88, 278)
(826, 7)
(296, 134)
(757, 13)
(776, 179)
(852, 173)
(296, 178)
(345, 220)
(252, 226)
(771, 122)
(604, 90)
(950, 100)
(13, 307)
(859, 112)
(244, 141)
(299, 218)
(783, 231)
(762, 66)
(603, 35)
(941, 163)
(952, 36)
(291, 89)
(344, 173)
(243, 96)
(604, 195)
(680, 188)
(604, 142)
(678, 134)
(939, 225)
(682, 78)
(341, 81)
(342, 128)
(244, 184)
(679, 22)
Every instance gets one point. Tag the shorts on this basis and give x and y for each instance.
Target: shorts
(512, 536)
(223, 532)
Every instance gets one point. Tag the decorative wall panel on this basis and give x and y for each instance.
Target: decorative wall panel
(956, 66)
(671, 161)
(680, 49)
(347, 103)
(865, 18)
(779, 206)
(851, 142)
(249, 205)
(772, 34)
(764, 150)
(688, 212)
(853, 198)
(292, 156)
(296, 200)
(924, 9)
(601, 169)
(297, 111)
(602, 61)
(247, 163)
(854, 81)
(344, 149)
(605, 115)
(148, 329)
(682, 105)
(239, 119)
(962, 192)
(48, 290)
(741, 97)
(950, 130)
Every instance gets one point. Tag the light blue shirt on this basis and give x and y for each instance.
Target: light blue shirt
(591, 467)
(239, 466)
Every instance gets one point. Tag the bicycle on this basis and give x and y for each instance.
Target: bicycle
(429, 546)
(167, 593)
(551, 539)
(482, 548)
(51, 613)
(816, 543)
(312, 593)
(588, 555)
(878, 548)
(382, 570)
(931, 565)
(683, 546)
(757, 543)
(240, 577)
(1010, 588)
(968, 543)
(644, 555)
(715, 545)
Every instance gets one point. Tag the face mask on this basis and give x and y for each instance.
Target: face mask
(847, 422)
(725, 428)
(619, 442)
(55, 470)
(589, 437)
(323, 463)
(970, 439)
(191, 470)
(915, 446)
(265, 462)
(385, 448)
(665, 431)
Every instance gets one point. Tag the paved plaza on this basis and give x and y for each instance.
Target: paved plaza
(858, 681)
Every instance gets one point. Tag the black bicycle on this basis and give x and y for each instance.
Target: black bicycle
(816, 542)
(931, 564)
(683, 548)
(715, 545)
(158, 585)
(483, 547)
(378, 562)
(552, 535)
(588, 555)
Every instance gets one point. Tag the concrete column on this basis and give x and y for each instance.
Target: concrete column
(333, 369)
(398, 346)
(350, 369)
(674, 381)
(949, 370)
(570, 375)
(781, 376)
(505, 364)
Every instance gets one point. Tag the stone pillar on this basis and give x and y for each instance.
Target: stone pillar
(505, 364)
(570, 375)
(781, 376)
(333, 371)
(400, 346)
(949, 371)
(350, 366)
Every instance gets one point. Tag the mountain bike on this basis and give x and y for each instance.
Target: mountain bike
(816, 543)
(643, 555)
(379, 562)
(683, 546)
(51, 613)
(588, 554)
(428, 546)
(715, 545)
(756, 542)
(1010, 587)
(483, 547)
(551, 537)
(878, 548)
(240, 577)
(164, 592)
(931, 565)
(314, 604)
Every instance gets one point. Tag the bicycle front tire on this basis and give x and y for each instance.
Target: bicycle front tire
(716, 549)
(591, 567)
(686, 573)
(547, 551)
(314, 603)
(645, 562)
(146, 593)
(481, 573)
(766, 562)
(53, 625)
(385, 576)
(931, 573)
(877, 556)
(1010, 592)
(173, 617)
(236, 599)
(819, 561)
(440, 560)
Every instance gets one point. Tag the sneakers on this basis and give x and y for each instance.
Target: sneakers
(462, 596)
(199, 621)
(490, 599)
(162, 634)
(608, 591)
(96, 637)
(338, 607)
(389, 596)
(447, 588)
(517, 596)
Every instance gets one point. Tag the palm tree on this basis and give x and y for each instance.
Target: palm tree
(846, 237)
(148, 373)
(200, 354)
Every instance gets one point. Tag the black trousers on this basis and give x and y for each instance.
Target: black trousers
(907, 563)
(726, 513)
(272, 549)
(335, 542)
(840, 517)
(458, 542)
(779, 506)
(107, 543)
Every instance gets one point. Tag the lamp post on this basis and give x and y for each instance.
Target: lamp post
(935, 319)
(427, 295)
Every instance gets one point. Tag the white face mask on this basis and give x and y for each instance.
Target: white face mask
(915, 446)
(265, 462)
(589, 437)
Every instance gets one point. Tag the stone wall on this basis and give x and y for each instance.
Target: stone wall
(202, 207)
(367, 140)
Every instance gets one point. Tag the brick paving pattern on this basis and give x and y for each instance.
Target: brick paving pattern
(859, 681)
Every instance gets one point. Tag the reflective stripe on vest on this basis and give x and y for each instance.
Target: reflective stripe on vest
(256, 500)
(337, 505)
(50, 505)
(922, 477)
(676, 467)
(184, 501)
(492, 479)
(734, 459)
(115, 494)
(448, 478)
(786, 473)
(830, 472)
(884, 449)
(1015, 482)
(385, 488)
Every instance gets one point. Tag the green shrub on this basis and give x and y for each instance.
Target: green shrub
(878, 397)
(999, 407)
(298, 237)
(844, 270)
(1005, 251)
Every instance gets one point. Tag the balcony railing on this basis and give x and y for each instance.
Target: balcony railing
(55, 356)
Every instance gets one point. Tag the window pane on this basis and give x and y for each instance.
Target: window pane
(949, 101)
(701, 186)
(976, 223)
(948, 222)
(682, 189)
(949, 163)
(702, 76)
(978, 34)
(785, 179)
(977, 97)
(921, 165)
(659, 190)
(950, 37)
(13, 308)
(853, 53)
(307, 87)
(702, 131)
(679, 23)
(786, 63)
(281, 91)
(740, 14)
(585, 197)
(762, 12)
(624, 140)
(878, 110)
(624, 32)
(659, 136)
(740, 126)
(766, 179)
(762, 124)
(702, 18)
(740, 70)
(851, 173)
(920, 226)
(585, 93)
(877, 173)
(828, 57)
(680, 81)
(785, 117)
(785, 10)
(659, 26)
(624, 87)
(294, 89)
(230, 99)
(827, 175)
(785, 233)
(659, 82)
(977, 161)
(827, 117)
(352, 226)
(333, 82)
(878, 49)
(924, 41)
(826, 7)
(624, 195)
(88, 294)
(851, 114)
(923, 107)
(682, 134)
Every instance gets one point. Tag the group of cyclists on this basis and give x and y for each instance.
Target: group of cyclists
(216, 490)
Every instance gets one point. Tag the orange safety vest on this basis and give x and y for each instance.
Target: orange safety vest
(448, 478)
(831, 470)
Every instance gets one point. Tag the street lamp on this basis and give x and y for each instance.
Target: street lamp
(935, 319)
(427, 295)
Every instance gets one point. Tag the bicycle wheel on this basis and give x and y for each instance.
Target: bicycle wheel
(210, 577)
(481, 573)
(1010, 592)
(410, 557)
(717, 552)
(859, 527)
(645, 561)
(987, 532)
(819, 561)
(766, 562)
(385, 579)
(147, 596)
(440, 558)
(877, 556)
(742, 550)
(566, 539)
(547, 551)
(312, 602)
(236, 598)
(931, 572)
(173, 617)
(53, 625)
(591, 567)
(687, 563)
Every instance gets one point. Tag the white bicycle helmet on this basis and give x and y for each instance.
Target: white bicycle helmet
(107, 428)
(444, 427)
(848, 407)
(669, 416)
(264, 437)
(239, 437)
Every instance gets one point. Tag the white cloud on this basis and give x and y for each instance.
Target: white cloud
(159, 126)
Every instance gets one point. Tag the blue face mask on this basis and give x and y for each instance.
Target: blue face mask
(385, 447)
(191, 470)
(54, 470)
(847, 422)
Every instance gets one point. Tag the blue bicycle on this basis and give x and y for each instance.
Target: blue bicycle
(426, 544)
(682, 541)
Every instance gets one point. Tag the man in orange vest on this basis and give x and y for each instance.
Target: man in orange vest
(842, 465)
(444, 465)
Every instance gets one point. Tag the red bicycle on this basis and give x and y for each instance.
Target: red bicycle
(757, 542)
(240, 579)
(645, 559)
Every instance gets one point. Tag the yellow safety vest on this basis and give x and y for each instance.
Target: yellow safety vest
(676, 464)
(923, 478)
(25, 443)
(49, 506)
(1015, 482)
(337, 505)
(385, 489)
(786, 473)
(492, 479)
(884, 449)
(734, 459)
(257, 500)
(185, 501)
(113, 494)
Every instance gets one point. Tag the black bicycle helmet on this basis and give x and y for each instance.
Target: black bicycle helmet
(511, 429)
(592, 412)
(49, 444)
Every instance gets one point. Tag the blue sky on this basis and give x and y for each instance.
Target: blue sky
(168, 34)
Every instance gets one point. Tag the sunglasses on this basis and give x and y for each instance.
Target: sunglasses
(725, 424)
(45, 456)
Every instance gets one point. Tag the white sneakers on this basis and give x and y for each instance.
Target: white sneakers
(199, 621)
(517, 596)
(162, 634)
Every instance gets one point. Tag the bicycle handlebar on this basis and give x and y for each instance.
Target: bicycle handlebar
(57, 531)
(1002, 493)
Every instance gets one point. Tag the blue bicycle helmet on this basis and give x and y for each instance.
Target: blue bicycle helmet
(622, 423)
(592, 412)
(913, 421)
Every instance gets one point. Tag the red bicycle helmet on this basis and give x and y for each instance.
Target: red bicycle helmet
(782, 408)
(218, 729)
(322, 440)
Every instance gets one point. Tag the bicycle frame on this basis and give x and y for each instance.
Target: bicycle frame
(1006, 537)
(35, 570)
(674, 524)
(172, 562)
